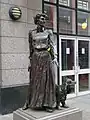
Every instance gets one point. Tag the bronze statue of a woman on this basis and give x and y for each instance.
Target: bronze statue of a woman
(41, 93)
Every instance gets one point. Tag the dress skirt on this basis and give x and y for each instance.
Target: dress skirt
(42, 81)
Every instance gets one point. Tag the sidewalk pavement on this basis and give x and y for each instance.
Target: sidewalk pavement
(82, 102)
(6, 117)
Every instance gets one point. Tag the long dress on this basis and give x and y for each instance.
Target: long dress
(42, 79)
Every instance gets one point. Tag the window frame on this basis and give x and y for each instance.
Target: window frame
(76, 13)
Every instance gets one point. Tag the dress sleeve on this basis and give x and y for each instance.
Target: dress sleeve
(52, 49)
(51, 44)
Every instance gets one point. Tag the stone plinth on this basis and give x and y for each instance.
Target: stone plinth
(64, 114)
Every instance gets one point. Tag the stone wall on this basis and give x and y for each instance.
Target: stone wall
(14, 48)
(14, 45)
(14, 41)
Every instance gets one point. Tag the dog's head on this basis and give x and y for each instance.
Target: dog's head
(66, 87)
(70, 84)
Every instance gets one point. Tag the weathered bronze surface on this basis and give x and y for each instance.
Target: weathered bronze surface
(62, 91)
(42, 92)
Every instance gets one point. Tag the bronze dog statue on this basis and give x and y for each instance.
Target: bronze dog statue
(62, 91)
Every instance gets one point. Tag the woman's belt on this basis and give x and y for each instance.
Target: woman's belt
(41, 49)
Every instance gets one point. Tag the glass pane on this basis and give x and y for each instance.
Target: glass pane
(50, 10)
(67, 52)
(83, 54)
(67, 21)
(84, 82)
(64, 78)
(52, 1)
(69, 3)
(83, 23)
(84, 4)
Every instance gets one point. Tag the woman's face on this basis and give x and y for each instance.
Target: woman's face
(42, 20)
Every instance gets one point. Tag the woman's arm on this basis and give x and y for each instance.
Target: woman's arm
(51, 44)
(51, 49)
(30, 49)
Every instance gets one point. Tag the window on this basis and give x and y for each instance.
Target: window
(67, 16)
(69, 3)
(84, 82)
(50, 10)
(52, 1)
(67, 21)
(83, 19)
(64, 2)
(83, 4)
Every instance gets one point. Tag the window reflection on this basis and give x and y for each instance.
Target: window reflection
(83, 52)
(64, 2)
(67, 52)
(84, 82)
(83, 23)
(50, 10)
(67, 21)
(67, 16)
(69, 3)
(53, 1)
(83, 4)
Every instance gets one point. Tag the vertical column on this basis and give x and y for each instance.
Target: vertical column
(89, 67)
(54, 19)
(73, 18)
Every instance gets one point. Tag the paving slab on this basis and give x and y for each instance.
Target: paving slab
(6, 117)
(82, 102)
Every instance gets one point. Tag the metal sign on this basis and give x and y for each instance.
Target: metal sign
(15, 13)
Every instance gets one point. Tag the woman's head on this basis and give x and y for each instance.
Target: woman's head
(40, 19)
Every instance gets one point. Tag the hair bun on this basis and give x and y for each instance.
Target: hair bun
(36, 18)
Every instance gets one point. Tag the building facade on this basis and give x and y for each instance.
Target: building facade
(14, 52)
(70, 22)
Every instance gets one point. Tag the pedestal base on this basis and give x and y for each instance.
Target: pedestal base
(64, 114)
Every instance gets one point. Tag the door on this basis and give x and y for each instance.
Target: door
(74, 63)
(68, 61)
(83, 66)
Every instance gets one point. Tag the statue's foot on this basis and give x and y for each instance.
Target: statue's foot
(58, 107)
(65, 106)
(49, 110)
(25, 107)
